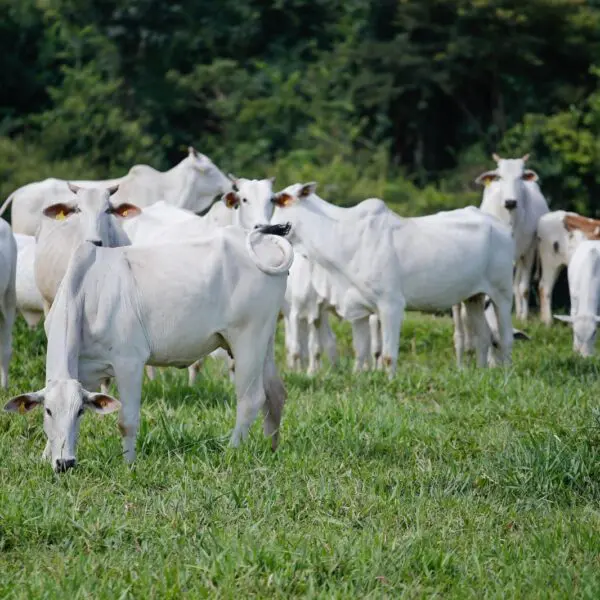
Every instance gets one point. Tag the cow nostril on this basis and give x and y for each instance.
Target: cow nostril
(97, 243)
(64, 464)
(510, 204)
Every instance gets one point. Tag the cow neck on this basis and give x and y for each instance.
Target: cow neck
(64, 322)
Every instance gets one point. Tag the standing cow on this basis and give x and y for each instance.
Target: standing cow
(192, 184)
(427, 263)
(511, 194)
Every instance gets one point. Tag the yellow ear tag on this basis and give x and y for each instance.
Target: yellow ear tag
(60, 216)
(487, 182)
(22, 409)
(125, 213)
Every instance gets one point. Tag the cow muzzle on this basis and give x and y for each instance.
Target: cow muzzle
(64, 464)
(510, 204)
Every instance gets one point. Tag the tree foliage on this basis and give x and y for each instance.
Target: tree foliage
(370, 97)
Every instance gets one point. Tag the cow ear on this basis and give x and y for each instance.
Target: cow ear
(125, 210)
(113, 189)
(283, 199)
(563, 318)
(102, 404)
(486, 178)
(74, 188)
(231, 200)
(25, 402)
(529, 175)
(59, 211)
(192, 151)
(496, 158)
(307, 189)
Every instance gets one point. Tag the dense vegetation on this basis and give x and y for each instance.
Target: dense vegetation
(404, 99)
(441, 483)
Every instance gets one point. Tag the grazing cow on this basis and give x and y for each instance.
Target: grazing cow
(120, 308)
(29, 300)
(254, 204)
(8, 297)
(559, 234)
(192, 184)
(512, 195)
(427, 263)
(584, 289)
(88, 214)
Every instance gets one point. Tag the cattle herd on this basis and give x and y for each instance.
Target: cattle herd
(159, 269)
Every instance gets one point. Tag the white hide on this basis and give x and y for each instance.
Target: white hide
(29, 300)
(556, 246)
(168, 305)
(8, 300)
(192, 184)
(428, 263)
(87, 214)
(584, 289)
(512, 195)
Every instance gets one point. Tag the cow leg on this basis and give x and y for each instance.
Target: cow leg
(326, 336)
(129, 383)
(294, 345)
(375, 335)
(249, 352)
(459, 334)
(314, 348)
(361, 342)
(523, 281)
(193, 371)
(477, 325)
(8, 315)
(275, 396)
(150, 372)
(546, 287)
(502, 308)
(391, 318)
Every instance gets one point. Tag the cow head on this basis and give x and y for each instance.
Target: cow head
(287, 202)
(252, 199)
(204, 182)
(64, 403)
(93, 212)
(584, 332)
(509, 179)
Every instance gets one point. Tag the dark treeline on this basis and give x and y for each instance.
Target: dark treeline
(405, 99)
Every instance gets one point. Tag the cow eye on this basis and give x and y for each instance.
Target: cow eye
(244, 200)
(48, 412)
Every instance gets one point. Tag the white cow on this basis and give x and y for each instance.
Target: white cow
(559, 235)
(253, 201)
(584, 289)
(29, 300)
(167, 305)
(428, 263)
(191, 184)
(512, 195)
(8, 299)
(87, 214)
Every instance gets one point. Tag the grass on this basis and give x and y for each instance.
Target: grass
(438, 484)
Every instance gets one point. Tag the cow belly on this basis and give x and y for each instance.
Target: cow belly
(182, 351)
